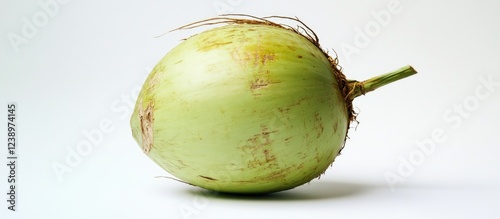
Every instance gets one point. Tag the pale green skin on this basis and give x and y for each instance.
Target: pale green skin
(242, 108)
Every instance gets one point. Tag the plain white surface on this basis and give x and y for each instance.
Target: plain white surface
(85, 62)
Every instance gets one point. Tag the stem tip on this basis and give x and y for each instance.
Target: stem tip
(357, 88)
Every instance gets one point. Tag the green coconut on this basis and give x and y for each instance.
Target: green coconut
(248, 107)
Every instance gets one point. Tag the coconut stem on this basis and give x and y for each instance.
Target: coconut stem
(357, 88)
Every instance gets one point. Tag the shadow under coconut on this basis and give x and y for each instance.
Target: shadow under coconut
(312, 191)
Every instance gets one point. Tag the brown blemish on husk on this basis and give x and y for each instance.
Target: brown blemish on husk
(146, 119)
(262, 80)
(318, 125)
(155, 78)
(293, 48)
(264, 57)
(258, 83)
(259, 147)
(270, 157)
(209, 178)
(212, 45)
(261, 139)
(257, 58)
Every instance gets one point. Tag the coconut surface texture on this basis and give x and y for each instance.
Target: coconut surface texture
(242, 108)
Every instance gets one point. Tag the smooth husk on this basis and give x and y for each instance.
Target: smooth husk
(249, 107)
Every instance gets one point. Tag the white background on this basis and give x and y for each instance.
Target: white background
(83, 61)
